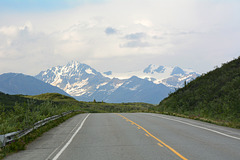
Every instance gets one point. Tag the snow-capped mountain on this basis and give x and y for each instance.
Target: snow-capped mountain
(74, 78)
(86, 84)
(136, 89)
(173, 77)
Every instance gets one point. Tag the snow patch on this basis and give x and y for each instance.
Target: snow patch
(89, 71)
(45, 73)
(115, 87)
(184, 78)
(80, 84)
(118, 85)
(56, 81)
(102, 84)
(76, 89)
(134, 88)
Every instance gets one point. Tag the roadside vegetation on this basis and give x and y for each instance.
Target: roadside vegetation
(213, 97)
(20, 144)
(18, 111)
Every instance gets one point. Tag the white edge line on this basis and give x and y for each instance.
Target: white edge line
(70, 140)
(48, 158)
(197, 126)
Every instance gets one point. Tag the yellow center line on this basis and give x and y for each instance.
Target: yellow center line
(147, 134)
(161, 143)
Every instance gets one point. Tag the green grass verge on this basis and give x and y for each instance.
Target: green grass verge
(21, 143)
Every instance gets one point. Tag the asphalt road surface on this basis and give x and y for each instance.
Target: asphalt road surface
(134, 136)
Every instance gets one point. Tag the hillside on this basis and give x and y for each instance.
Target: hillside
(214, 96)
(19, 111)
(17, 83)
(10, 100)
(56, 97)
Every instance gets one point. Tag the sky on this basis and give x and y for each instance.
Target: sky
(118, 35)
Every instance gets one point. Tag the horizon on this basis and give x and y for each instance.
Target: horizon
(102, 72)
(118, 35)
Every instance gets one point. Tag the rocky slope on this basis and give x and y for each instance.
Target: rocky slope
(86, 84)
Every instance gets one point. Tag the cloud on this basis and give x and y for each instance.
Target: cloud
(175, 32)
(24, 49)
(135, 36)
(144, 22)
(14, 30)
(135, 40)
(174, 29)
(157, 37)
(110, 31)
(135, 44)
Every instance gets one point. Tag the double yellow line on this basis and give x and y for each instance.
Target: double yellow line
(161, 143)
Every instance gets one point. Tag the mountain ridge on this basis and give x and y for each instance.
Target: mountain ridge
(18, 83)
(86, 84)
(173, 77)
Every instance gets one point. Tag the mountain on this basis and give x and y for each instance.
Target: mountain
(86, 84)
(136, 89)
(178, 71)
(173, 77)
(15, 83)
(75, 78)
(214, 96)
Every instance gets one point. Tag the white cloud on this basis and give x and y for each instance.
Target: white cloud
(170, 32)
(136, 36)
(144, 22)
(24, 50)
(135, 44)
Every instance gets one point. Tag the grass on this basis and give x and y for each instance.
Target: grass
(55, 97)
(21, 143)
(20, 111)
(213, 97)
(23, 111)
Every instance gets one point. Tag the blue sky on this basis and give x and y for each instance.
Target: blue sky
(118, 35)
(42, 5)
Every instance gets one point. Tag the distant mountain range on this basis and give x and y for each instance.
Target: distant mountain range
(86, 84)
(173, 77)
(17, 83)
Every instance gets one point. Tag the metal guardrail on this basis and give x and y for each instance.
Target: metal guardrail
(9, 137)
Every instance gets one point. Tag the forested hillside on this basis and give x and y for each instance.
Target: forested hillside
(214, 96)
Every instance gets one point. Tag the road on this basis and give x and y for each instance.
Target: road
(133, 136)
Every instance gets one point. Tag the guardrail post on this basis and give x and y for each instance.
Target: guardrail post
(2, 140)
